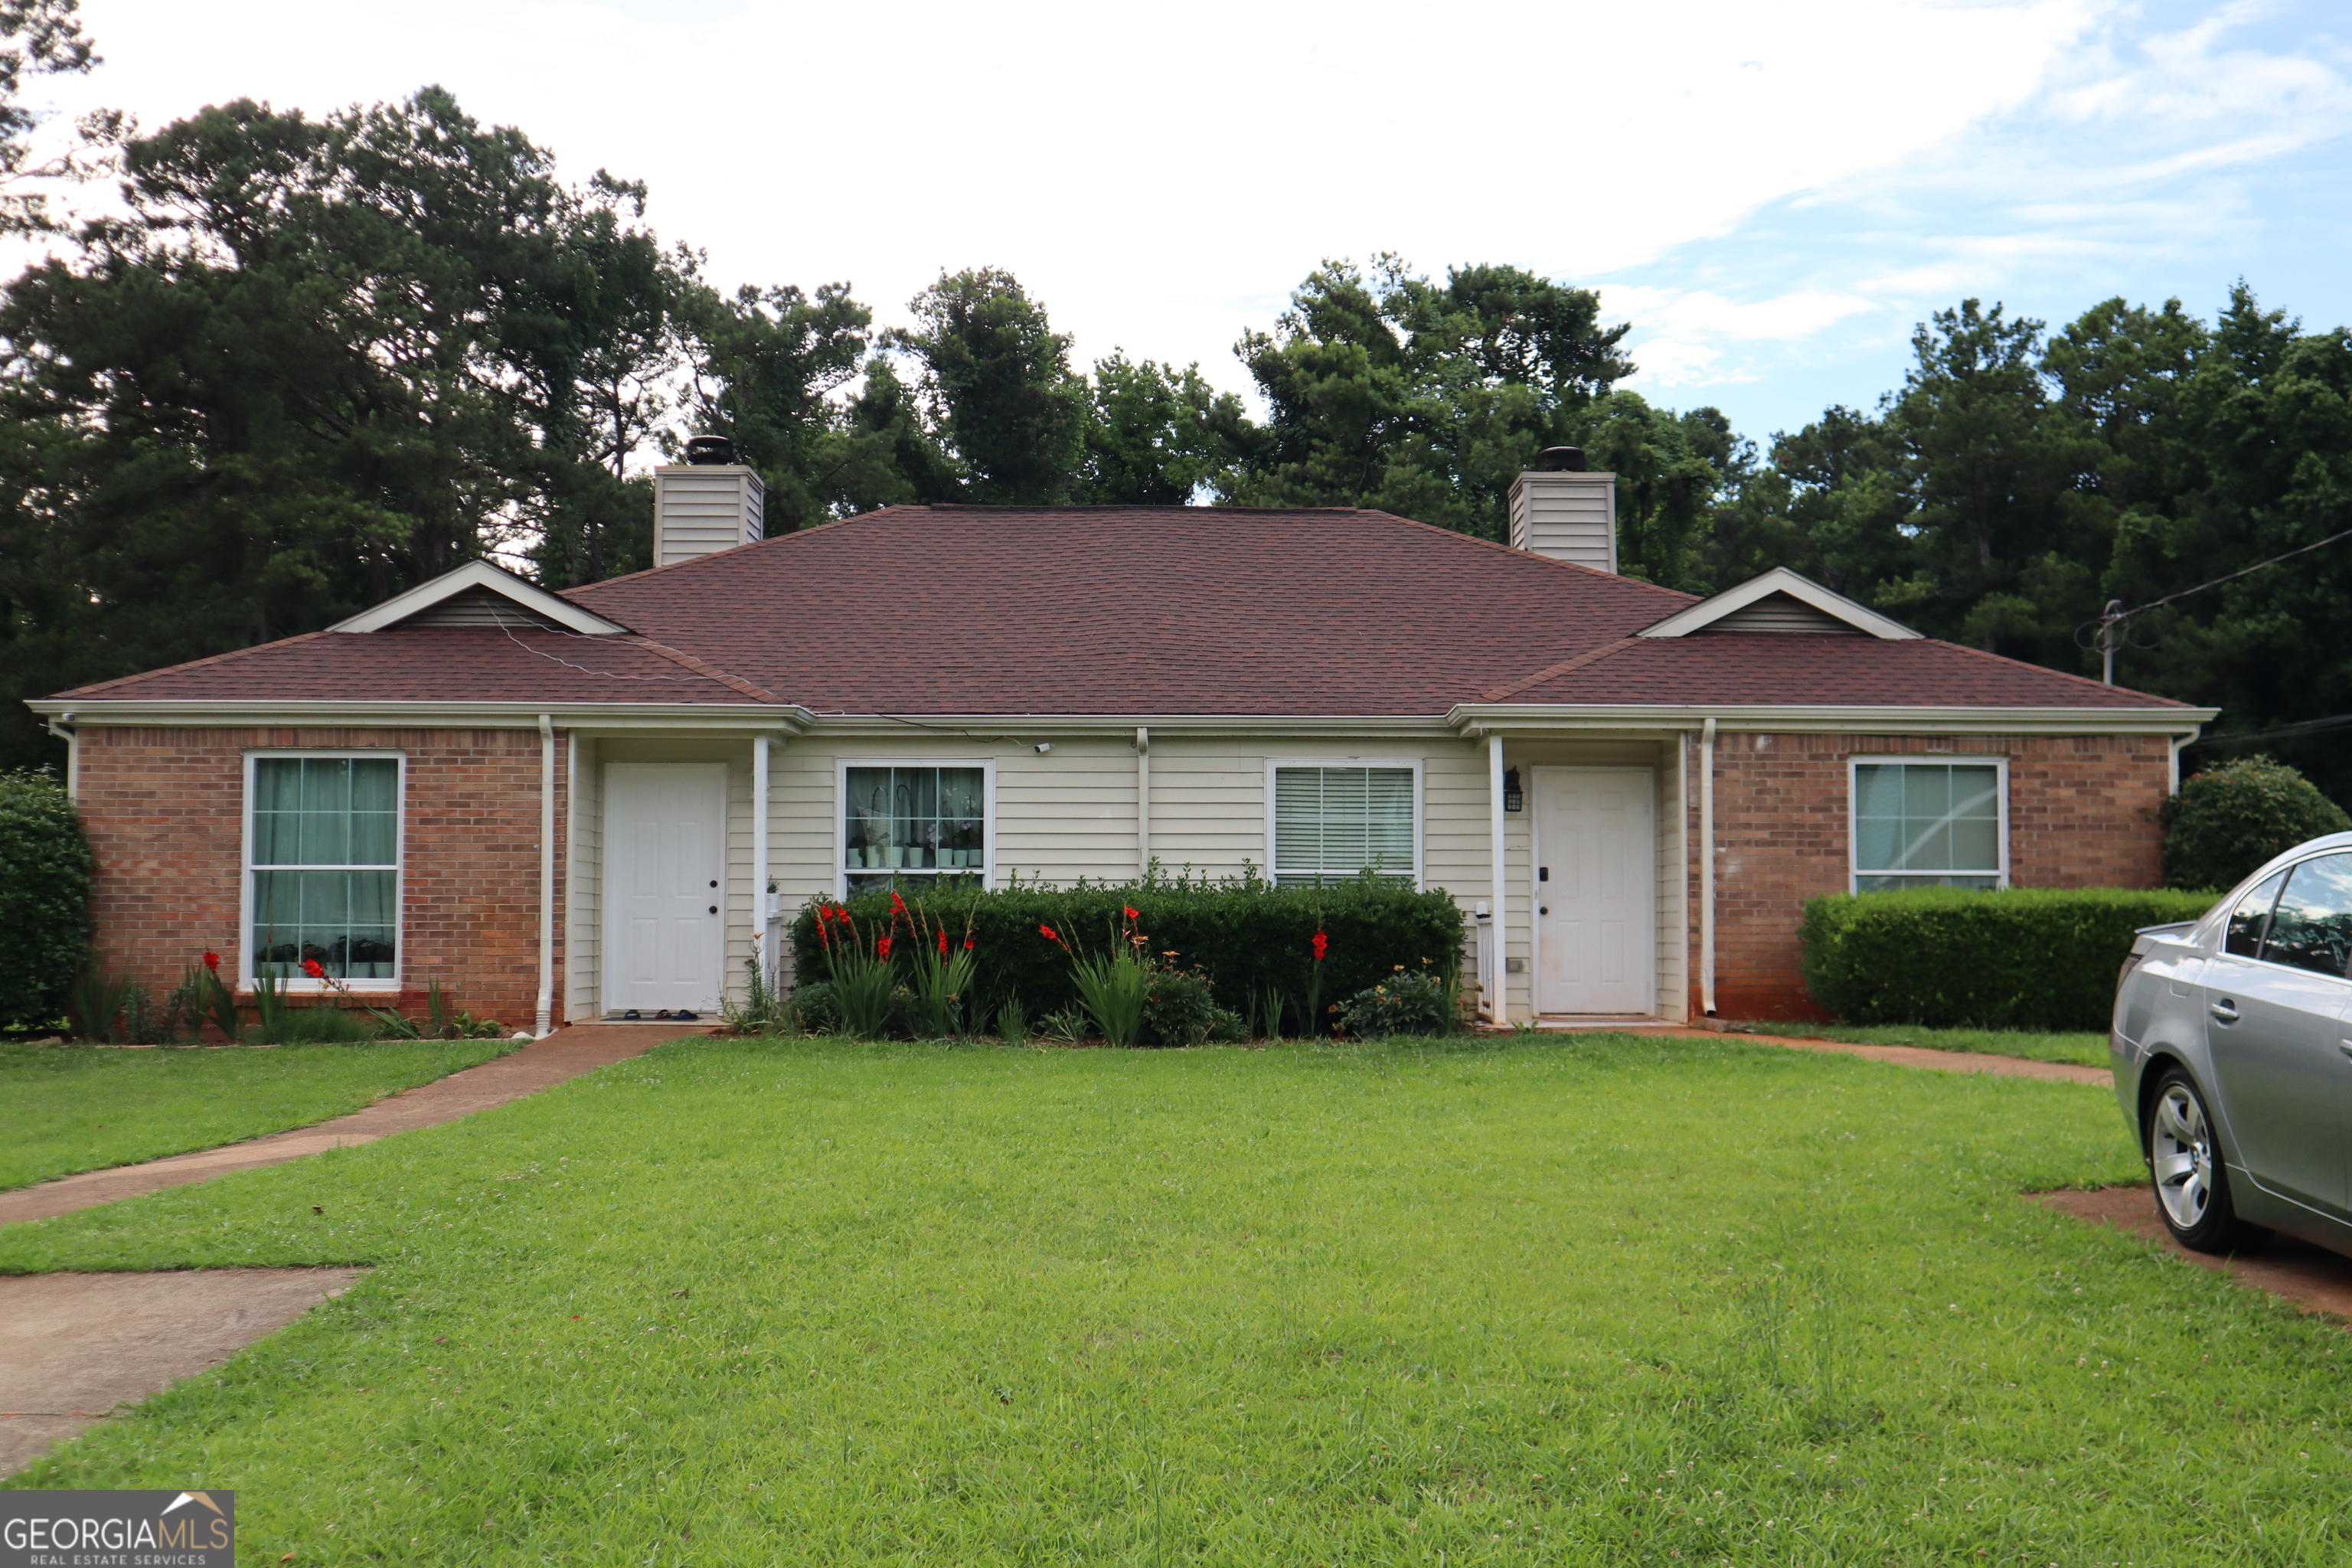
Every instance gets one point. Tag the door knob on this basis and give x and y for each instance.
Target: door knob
(1542, 910)
(714, 909)
(2225, 1010)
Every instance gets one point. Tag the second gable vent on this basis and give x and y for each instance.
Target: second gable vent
(1782, 613)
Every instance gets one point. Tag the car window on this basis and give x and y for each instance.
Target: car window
(2312, 927)
(2244, 936)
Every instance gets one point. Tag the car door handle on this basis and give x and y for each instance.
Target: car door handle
(2345, 1046)
(2225, 1010)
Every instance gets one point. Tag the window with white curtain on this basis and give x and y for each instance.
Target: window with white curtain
(1333, 822)
(323, 869)
(1928, 825)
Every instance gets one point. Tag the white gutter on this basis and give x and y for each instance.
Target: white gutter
(1706, 869)
(61, 726)
(1142, 800)
(1501, 1001)
(762, 923)
(1877, 719)
(546, 1023)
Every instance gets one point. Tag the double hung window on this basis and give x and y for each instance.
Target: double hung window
(908, 826)
(1930, 824)
(324, 868)
(1330, 824)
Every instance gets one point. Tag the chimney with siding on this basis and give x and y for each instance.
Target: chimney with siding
(707, 503)
(1560, 510)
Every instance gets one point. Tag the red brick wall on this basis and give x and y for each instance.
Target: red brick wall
(2081, 814)
(165, 811)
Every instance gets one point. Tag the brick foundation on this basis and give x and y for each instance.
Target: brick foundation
(164, 810)
(2081, 814)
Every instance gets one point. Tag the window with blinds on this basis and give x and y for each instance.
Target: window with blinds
(1334, 823)
(1935, 824)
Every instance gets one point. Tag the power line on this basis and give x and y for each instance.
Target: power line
(2104, 640)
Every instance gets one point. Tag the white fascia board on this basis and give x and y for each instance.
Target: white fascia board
(1780, 580)
(1537, 719)
(715, 718)
(480, 574)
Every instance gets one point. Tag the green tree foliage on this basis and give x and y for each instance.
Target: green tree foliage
(2228, 820)
(1157, 436)
(44, 881)
(40, 38)
(1386, 389)
(997, 386)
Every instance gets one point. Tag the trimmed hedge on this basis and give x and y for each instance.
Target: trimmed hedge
(2026, 958)
(45, 877)
(1246, 934)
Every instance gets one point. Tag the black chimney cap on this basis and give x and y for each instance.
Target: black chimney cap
(1551, 461)
(708, 451)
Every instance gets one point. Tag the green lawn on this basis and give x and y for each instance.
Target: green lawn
(83, 1108)
(1573, 1301)
(2085, 1050)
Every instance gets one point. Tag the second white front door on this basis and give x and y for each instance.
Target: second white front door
(1596, 869)
(665, 864)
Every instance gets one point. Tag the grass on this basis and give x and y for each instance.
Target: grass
(1569, 1301)
(83, 1108)
(2082, 1050)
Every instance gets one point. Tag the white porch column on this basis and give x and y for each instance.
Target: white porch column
(545, 1023)
(1502, 997)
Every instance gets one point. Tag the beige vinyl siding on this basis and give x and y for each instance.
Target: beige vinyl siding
(1069, 812)
(584, 920)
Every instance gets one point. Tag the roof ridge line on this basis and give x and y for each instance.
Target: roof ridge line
(706, 670)
(1590, 656)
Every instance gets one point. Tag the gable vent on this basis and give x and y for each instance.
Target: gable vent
(480, 607)
(1782, 613)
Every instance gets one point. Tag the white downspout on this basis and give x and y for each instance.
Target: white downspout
(1706, 869)
(546, 1023)
(1502, 997)
(62, 728)
(1142, 802)
(571, 858)
(763, 926)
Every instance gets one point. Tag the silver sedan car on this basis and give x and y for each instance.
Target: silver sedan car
(2233, 1050)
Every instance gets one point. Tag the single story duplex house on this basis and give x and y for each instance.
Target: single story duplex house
(563, 805)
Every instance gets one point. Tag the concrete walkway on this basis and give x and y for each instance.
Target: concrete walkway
(1990, 1064)
(74, 1346)
(543, 1064)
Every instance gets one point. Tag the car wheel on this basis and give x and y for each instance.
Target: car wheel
(2192, 1184)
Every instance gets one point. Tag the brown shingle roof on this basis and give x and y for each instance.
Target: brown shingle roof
(1119, 610)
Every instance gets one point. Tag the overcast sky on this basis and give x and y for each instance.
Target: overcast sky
(1771, 194)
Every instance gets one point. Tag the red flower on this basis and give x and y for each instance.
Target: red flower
(897, 904)
(1134, 914)
(882, 947)
(943, 942)
(1047, 932)
(968, 944)
(212, 961)
(314, 969)
(1321, 945)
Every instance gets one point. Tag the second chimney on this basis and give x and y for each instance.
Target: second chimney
(1560, 510)
(707, 503)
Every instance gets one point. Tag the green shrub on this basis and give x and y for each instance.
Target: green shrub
(1180, 1008)
(45, 876)
(1251, 939)
(1412, 1003)
(2230, 819)
(2027, 958)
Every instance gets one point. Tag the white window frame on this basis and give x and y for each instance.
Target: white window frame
(305, 985)
(841, 766)
(1274, 765)
(1859, 760)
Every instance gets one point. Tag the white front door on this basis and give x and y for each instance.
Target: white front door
(1596, 869)
(665, 859)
